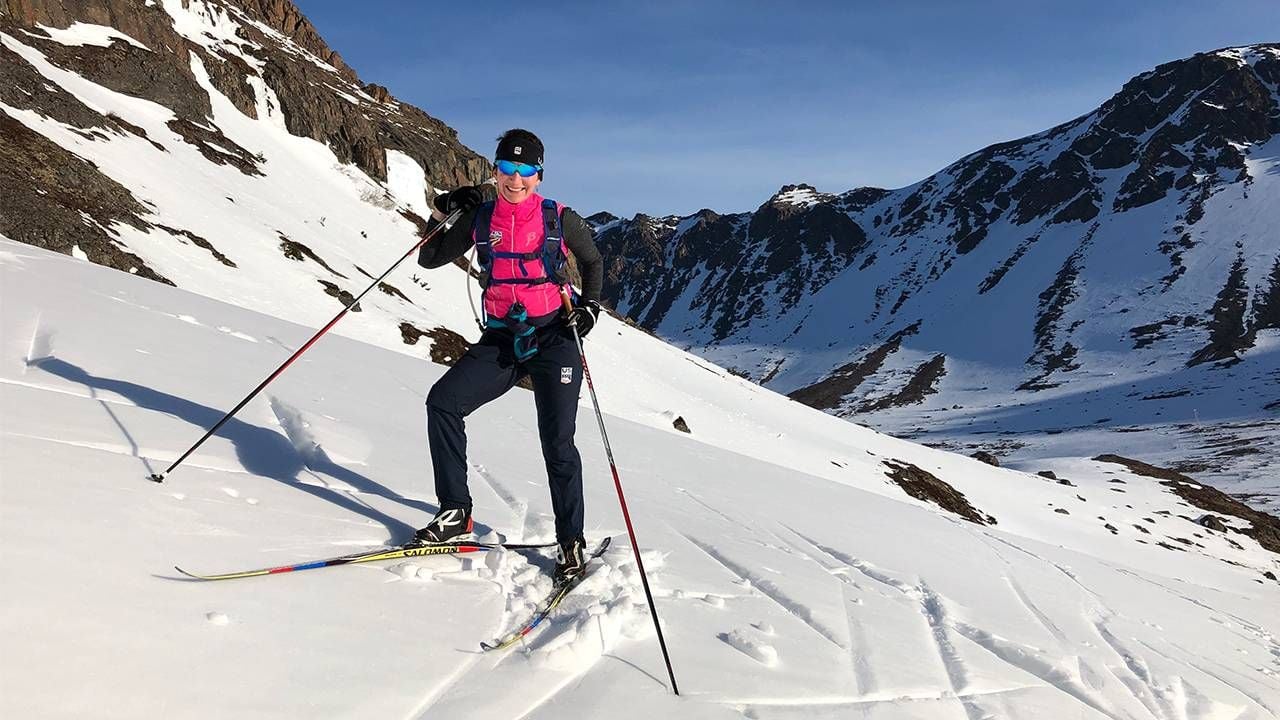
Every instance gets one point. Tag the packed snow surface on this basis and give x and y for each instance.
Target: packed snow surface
(79, 33)
(792, 578)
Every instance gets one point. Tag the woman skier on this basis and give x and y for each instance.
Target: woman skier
(522, 241)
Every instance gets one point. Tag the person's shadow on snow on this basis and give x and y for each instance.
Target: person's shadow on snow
(261, 451)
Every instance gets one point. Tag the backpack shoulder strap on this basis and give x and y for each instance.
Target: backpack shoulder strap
(553, 255)
(484, 246)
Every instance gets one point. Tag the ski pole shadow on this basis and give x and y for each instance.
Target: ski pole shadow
(259, 450)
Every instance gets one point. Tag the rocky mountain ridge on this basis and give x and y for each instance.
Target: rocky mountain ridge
(1134, 240)
(263, 55)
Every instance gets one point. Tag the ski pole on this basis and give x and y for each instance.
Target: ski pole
(622, 500)
(446, 224)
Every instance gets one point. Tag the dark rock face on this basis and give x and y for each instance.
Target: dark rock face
(284, 17)
(57, 201)
(359, 123)
(216, 147)
(792, 247)
(1266, 314)
(1229, 103)
(1228, 334)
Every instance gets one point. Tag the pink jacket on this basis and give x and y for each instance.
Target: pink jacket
(517, 228)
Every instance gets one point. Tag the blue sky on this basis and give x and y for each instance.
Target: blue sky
(667, 108)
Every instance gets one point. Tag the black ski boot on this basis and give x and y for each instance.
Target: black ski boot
(572, 560)
(448, 526)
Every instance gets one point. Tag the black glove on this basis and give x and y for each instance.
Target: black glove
(465, 198)
(583, 317)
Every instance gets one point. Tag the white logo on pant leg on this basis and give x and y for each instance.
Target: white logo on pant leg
(566, 375)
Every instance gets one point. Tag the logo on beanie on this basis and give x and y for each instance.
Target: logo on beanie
(517, 150)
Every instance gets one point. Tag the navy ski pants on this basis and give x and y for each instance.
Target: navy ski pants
(487, 371)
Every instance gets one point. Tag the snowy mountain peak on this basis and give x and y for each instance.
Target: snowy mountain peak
(799, 195)
(1102, 258)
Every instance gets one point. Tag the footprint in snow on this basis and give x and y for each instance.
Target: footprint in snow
(237, 334)
(217, 618)
(413, 571)
(762, 653)
(231, 492)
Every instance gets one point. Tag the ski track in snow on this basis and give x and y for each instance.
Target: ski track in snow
(519, 508)
(1035, 612)
(957, 673)
(1029, 660)
(1190, 659)
(864, 676)
(770, 590)
(940, 625)
(1247, 625)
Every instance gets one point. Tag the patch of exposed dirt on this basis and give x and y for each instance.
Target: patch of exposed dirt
(831, 390)
(199, 242)
(1167, 395)
(998, 274)
(1146, 335)
(1265, 528)
(343, 296)
(392, 291)
(447, 346)
(986, 457)
(295, 250)
(924, 485)
(923, 382)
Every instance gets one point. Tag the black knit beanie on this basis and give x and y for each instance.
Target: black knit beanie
(521, 146)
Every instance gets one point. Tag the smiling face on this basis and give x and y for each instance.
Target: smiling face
(513, 188)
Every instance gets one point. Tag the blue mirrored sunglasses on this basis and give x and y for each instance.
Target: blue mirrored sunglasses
(507, 167)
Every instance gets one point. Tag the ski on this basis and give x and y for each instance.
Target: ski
(548, 604)
(392, 553)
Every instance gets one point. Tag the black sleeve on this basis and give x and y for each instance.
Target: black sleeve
(582, 243)
(453, 244)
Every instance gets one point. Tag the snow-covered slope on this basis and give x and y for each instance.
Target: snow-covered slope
(1112, 282)
(804, 566)
(794, 579)
(218, 153)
